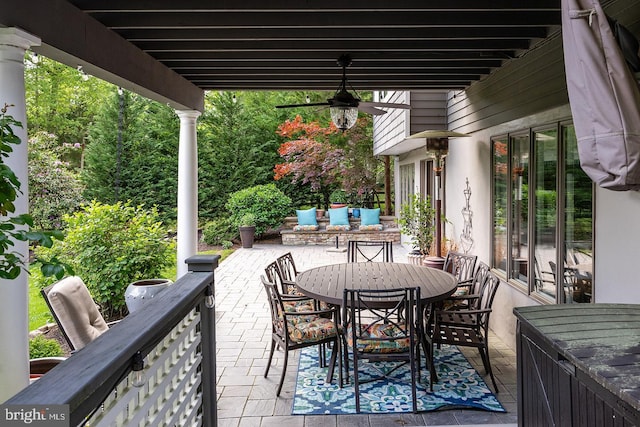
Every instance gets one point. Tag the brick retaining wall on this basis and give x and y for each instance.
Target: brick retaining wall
(323, 237)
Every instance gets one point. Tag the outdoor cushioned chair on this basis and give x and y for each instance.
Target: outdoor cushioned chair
(377, 330)
(74, 311)
(467, 291)
(469, 327)
(291, 330)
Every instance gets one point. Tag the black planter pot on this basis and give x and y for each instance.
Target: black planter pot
(247, 235)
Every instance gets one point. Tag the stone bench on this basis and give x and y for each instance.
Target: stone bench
(322, 236)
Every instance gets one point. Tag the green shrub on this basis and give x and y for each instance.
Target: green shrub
(267, 203)
(218, 231)
(110, 246)
(40, 346)
(227, 244)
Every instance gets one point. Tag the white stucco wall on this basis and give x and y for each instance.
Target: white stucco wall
(617, 247)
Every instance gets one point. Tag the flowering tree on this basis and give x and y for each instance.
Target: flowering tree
(326, 158)
(309, 156)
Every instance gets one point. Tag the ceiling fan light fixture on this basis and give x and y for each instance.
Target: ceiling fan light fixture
(344, 117)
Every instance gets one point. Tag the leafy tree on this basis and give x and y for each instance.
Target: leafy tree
(360, 170)
(110, 246)
(54, 187)
(133, 154)
(61, 102)
(238, 146)
(309, 157)
(14, 228)
(325, 158)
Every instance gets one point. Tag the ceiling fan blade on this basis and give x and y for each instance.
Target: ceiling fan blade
(386, 105)
(311, 104)
(371, 110)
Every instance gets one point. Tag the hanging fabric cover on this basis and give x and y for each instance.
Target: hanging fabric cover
(603, 94)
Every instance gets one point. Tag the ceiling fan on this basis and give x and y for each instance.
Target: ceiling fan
(344, 105)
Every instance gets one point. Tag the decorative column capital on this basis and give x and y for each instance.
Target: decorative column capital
(16, 37)
(188, 114)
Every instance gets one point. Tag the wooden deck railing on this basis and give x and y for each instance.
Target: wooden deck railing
(174, 333)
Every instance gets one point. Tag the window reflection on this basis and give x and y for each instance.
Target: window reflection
(519, 210)
(578, 216)
(546, 166)
(500, 161)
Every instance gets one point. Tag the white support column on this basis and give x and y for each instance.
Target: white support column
(14, 313)
(187, 188)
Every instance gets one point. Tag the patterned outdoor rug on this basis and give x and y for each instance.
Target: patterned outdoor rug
(459, 386)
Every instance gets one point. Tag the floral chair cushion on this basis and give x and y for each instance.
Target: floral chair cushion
(452, 304)
(312, 331)
(298, 306)
(372, 227)
(306, 227)
(381, 330)
(338, 227)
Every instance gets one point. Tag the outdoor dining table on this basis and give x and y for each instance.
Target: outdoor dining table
(327, 283)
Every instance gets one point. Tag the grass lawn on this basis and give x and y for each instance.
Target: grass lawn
(39, 313)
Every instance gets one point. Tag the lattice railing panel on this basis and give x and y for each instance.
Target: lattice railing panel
(172, 392)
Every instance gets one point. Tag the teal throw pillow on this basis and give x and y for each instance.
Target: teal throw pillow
(307, 217)
(369, 216)
(339, 216)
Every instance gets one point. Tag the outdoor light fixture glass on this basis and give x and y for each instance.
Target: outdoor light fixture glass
(344, 117)
(139, 377)
(209, 299)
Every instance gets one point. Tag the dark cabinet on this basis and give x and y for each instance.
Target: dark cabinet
(578, 365)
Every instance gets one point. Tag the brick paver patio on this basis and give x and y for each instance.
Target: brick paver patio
(247, 399)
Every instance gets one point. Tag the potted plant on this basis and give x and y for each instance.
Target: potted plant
(338, 199)
(417, 220)
(247, 228)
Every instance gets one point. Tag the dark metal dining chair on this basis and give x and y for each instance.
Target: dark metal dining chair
(469, 327)
(287, 267)
(465, 294)
(462, 266)
(369, 251)
(274, 275)
(291, 330)
(383, 325)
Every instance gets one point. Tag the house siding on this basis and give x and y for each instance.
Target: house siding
(428, 111)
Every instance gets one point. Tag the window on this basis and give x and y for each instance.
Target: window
(519, 149)
(499, 195)
(541, 195)
(578, 219)
(545, 211)
(407, 182)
